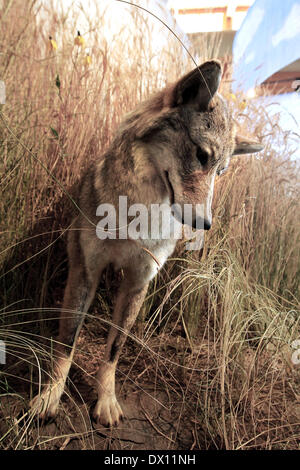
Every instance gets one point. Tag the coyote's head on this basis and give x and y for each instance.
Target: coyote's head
(190, 136)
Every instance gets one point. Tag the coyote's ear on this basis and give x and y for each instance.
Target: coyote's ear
(246, 145)
(198, 87)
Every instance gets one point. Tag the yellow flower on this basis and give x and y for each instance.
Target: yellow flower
(52, 44)
(88, 60)
(243, 105)
(79, 40)
(232, 96)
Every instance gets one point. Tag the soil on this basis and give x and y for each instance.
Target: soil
(149, 389)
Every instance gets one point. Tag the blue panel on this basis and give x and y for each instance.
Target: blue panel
(268, 40)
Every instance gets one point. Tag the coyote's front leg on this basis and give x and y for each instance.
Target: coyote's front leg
(129, 301)
(79, 293)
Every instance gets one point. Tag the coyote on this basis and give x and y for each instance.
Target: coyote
(168, 150)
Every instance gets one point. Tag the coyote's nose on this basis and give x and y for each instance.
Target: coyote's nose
(207, 224)
(200, 223)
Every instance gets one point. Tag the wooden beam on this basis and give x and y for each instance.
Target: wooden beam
(199, 11)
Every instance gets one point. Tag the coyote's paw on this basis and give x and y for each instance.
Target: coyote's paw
(46, 403)
(108, 411)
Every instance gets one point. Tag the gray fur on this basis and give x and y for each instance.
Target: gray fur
(153, 158)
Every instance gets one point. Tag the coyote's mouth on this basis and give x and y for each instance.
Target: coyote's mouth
(169, 188)
(171, 192)
(197, 222)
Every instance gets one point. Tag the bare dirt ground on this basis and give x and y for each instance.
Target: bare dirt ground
(157, 415)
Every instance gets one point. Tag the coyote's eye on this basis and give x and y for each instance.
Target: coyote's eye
(202, 156)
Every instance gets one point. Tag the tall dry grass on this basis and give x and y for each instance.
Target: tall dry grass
(217, 326)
